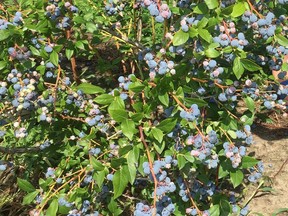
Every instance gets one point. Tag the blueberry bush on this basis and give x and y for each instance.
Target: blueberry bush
(139, 107)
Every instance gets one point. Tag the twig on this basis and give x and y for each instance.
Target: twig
(73, 61)
(135, 44)
(253, 9)
(58, 189)
(254, 193)
(71, 118)
(151, 167)
(280, 168)
(191, 198)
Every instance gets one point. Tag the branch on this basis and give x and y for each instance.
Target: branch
(19, 150)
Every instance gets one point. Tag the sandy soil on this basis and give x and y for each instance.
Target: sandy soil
(271, 146)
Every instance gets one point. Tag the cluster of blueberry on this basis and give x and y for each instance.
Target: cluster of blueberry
(24, 88)
(256, 172)
(192, 114)
(160, 67)
(227, 3)
(251, 88)
(85, 210)
(53, 11)
(21, 53)
(17, 19)
(189, 21)
(45, 116)
(50, 173)
(164, 207)
(112, 7)
(4, 24)
(215, 71)
(196, 189)
(164, 186)
(183, 3)
(229, 37)
(265, 26)
(178, 50)
(276, 52)
(229, 94)
(3, 89)
(157, 9)
(3, 166)
(203, 148)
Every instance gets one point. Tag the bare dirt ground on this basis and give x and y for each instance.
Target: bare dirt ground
(271, 146)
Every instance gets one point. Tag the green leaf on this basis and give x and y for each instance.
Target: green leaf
(69, 53)
(29, 197)
(91, 27)
(181, 161)
(227, 10)
(104, 99)
(53, 208)
(281, 210)
(212, 3)
(54, 58)
(4, 34)
(3, 64)
(193, 32)
(113, 208)
(225, 207)
(25, 185)
(167, 125)
(201, 8)
(118, 115)
(97, 165)
(164, 99)
(100, 177)
(248, 162)
(238, 69)
(157, 134)
(222, 173)
(189, 158)
(232, 134)
(205, 35)
(198, 101)
(214, 210)
(159, 147)
(250, 65)
(238, 9)
(128, 128)
(120, 181)
(88, 88)
(250, 104)
(80, 45)
(180, 38)
(202, 23)
(212, 53)
(136, 87)
(34, 51)
(236, 178)
(282, 40)
(132, 160)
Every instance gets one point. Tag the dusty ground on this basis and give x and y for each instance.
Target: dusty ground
(271, 146)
